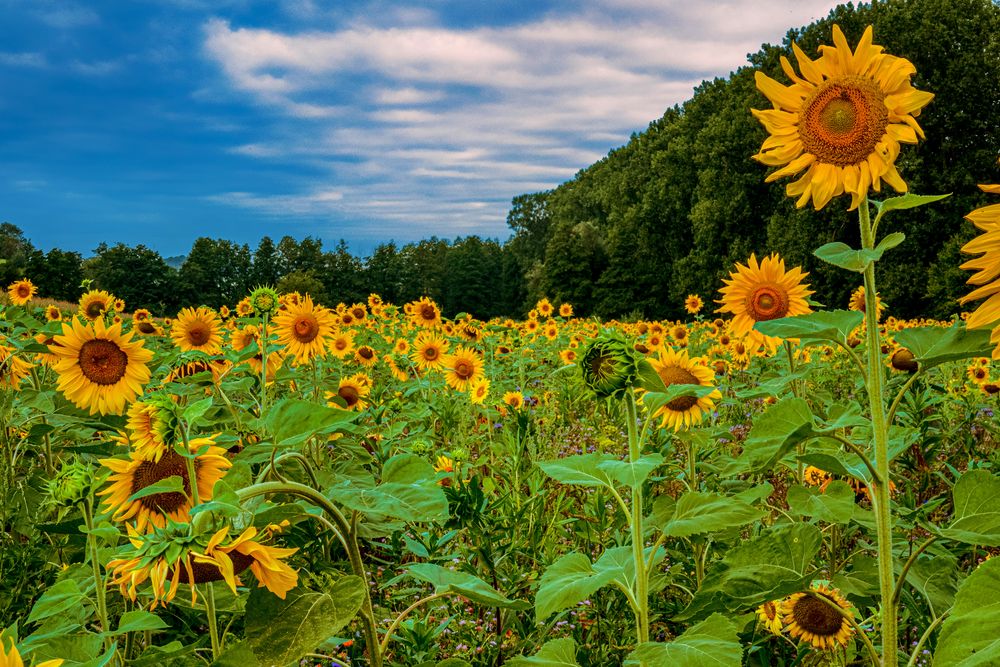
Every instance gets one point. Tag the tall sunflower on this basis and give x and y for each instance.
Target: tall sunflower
(21, 291)
(462, 368)
(677, 368)
(424, 313)
(129, 476)
(811, 619)
(842, 121)
(197, 329)
(304, 329)
(987, 267)
(429, 351)
(693, 304)
(95, 303)
(761, 292)
(100, 368)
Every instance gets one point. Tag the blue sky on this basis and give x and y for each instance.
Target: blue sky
(158, 121)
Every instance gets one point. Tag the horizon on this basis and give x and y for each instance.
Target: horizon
(160, 122)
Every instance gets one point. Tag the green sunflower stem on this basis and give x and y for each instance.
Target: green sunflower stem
(95, 563)
(263, 364)
(213, 623)
(880, 433)
(641, 575)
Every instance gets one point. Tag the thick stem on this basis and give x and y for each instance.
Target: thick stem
(263, 365)
(641, 575)
(880, 496)
(213, 624)
(95, 562)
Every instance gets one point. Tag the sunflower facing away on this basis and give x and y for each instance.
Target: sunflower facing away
(197, 330)
(761, 292)
(987, 267)
(841, 121)
(129, 476)
(304, 329)
(100, 368)
(811, 619)
(677, 368)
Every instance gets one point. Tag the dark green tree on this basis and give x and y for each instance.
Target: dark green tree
(138, 275)
(268, 267)
(216, 272)
(57, 273)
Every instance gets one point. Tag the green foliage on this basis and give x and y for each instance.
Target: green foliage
(711, 643)
(970, 634)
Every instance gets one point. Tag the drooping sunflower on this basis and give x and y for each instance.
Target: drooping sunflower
(842, 121)
(197, 329)
(129, 476)
(769, 614)
(811, 619)
(462, 368)
(479, 390)
(693, 304)
(352, 391)
(21, 291)
(857, 302)
(429, 351)
(151, 429)
(304, 329)
(677, 368)
(12, 369)
(987, 267)
(100, 368)
(761, 292)
(12, 658)
(95, 303)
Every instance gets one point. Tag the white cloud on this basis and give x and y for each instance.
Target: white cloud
(23, 59)
(418, 122)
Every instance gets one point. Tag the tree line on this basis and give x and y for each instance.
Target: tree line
(664, 216)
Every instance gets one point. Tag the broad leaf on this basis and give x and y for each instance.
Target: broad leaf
(408, 491)
(698, 512)
(59, 597)
(936, 579)
(835, 504)
(821, 325)
(569, 580)
(172, 484)
(135, 621)
(292, 421)
(844, 256)
(464, 584)
(556, 653)
(970, 636)
(712, 643)
(908, 200)
(935, 345)
(579, 469)
(773, 434)
(631, 474)
(976, 518)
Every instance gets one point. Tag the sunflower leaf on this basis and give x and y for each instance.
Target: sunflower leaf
(971, 634)
(712, 643)
(976, 519)
(932, 346)
(555, 653)
(570, 580)
(293, 421)
(463, 584)
(906, 201)
(834, 504)
(846, 257)
(697, 513)
(172, 484)
(822, 325)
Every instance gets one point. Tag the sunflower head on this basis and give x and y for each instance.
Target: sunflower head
(812, 618)
(676, 368)
(987, 268)
(264, 301)
(21, 291)
(842, 121)
(71, 484)
(903, 360)
(95, 303)
(197, 329)
(609, 365)
(693, 304)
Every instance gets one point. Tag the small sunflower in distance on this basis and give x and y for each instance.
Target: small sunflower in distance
(100, 368)
(842, 121)
(479, 390)
(987, 267)
(761, 292)
(197, 330)
(693, 304)
(95, 303)
(304, 329)
(857, 303)
(513, 399)
(811, 619)
(21, 292)
(677, 368)
(566, 310)
(424, 313)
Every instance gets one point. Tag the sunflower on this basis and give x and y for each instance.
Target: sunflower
(129, 476)
(769, 614)
(810, 618)
(374, 301)
(479, 390)
(12, 369)
(352, 392)
(903, 360)
(761, 292)
(95, 303)
(243, 308)
(429, 351)
(141, 314)
(401, 346)
(217, 367)
(228, 560)
(444, 464)
(987, 269)
(843, 122)
(244, 337)
(100, 368)
(857, 302)
(53, 314)
(514, 399)
(544, 308)
(21, 292)
(462, 368)
(424, 313)
(978, 374)
(197, 330)
(12, 658)
(304, 329)
(693, 304)
(566, 310)
(813, 476)
(150, 426)
(677, 368)
(224, 311)
(680, 334)
(264, 301)
(341, 344)
(366, 356)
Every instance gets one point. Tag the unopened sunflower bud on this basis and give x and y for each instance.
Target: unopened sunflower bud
(610, 365)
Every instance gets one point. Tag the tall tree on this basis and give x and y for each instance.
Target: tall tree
(215, 273)
(137, 274)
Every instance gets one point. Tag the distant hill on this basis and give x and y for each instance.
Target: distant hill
(176, 261)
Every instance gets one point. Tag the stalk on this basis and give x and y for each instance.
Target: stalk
(263, 365)
(95, 563)
(641, 594)
(883, 511)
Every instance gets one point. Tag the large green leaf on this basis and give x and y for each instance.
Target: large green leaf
(909, 200)
(846, 257)
(579, 469)
(282, 631)
(555, 653)
(570, 580)
(976, 518)
(821, 325)
(291, 421)
(409, 491)
(834, 504)
(934, 345)
(59, 597)
(629, 473)
(774, 564)
(699, 512)
(712, 643)
(137, 620)
(936, 579)
(464, 584)
(970, 636)
(773, 434)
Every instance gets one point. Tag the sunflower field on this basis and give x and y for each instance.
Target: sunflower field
(771, 481)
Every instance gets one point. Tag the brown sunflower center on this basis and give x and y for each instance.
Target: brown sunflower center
(351, 395)
(428, 312)
(902, 360)
(306, 328)
(340, 343)
(206, 572)
(94, 309)
(23, 291)
(767, 302)
(677, 375)
(366, 352)
(145, 327)
(816, 616)
(150, 472)
(843, 119)
(431, 353)
(198, 334)
(102, 361)
(464, 369)
(358, 313)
